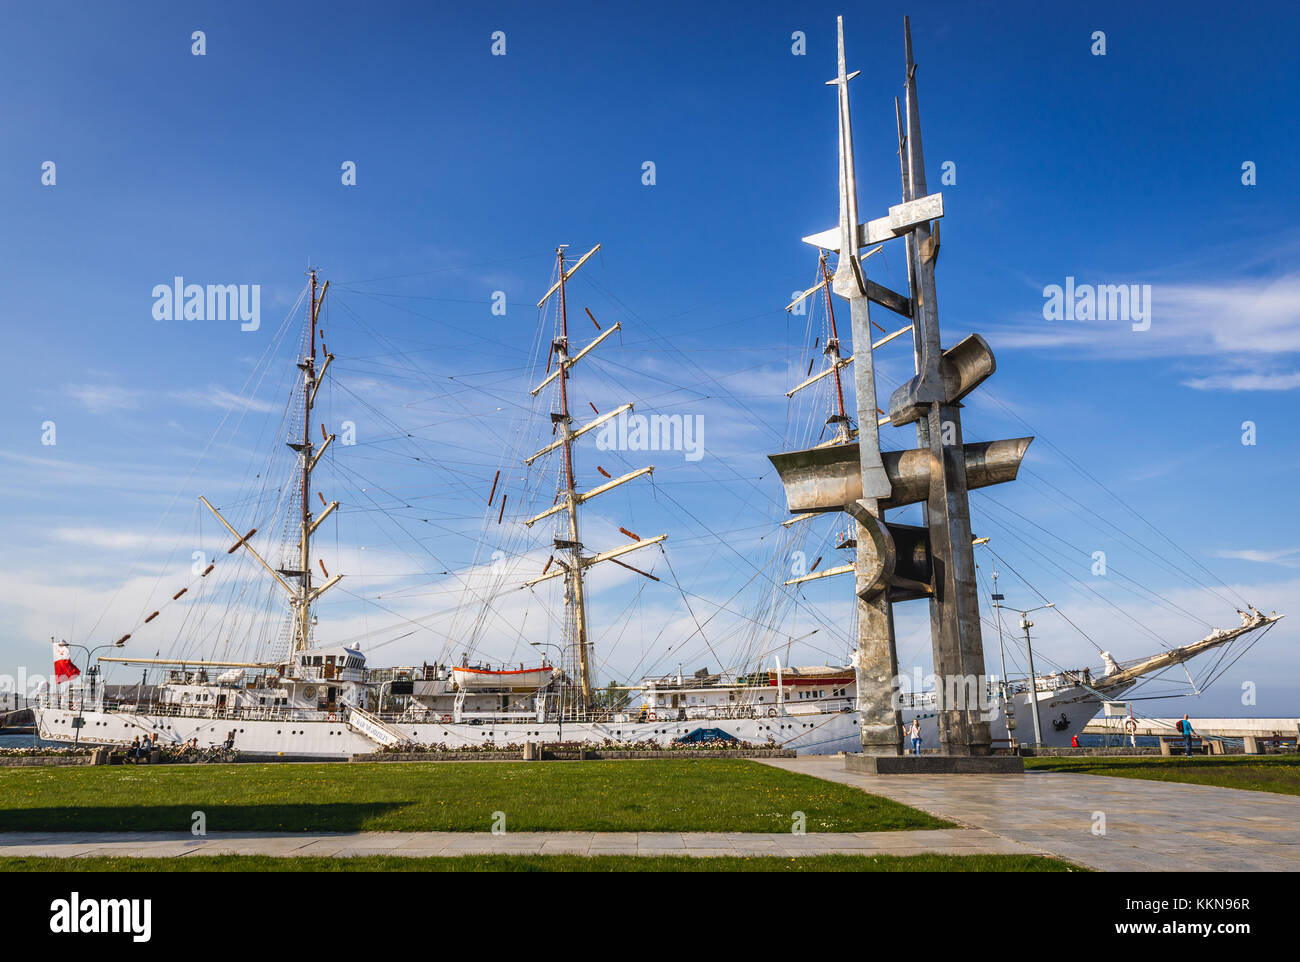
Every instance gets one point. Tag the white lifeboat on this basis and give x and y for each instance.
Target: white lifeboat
(522, 679)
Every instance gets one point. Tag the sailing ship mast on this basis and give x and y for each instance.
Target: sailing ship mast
(568, 499)
(302, 595)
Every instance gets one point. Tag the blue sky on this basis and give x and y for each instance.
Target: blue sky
(225, 169)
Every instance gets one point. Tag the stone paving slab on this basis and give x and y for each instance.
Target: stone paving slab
(419, 844)
(1149, 825)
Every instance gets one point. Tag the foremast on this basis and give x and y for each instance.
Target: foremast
(297, 581)
(570, 561)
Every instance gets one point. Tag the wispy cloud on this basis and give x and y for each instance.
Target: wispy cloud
(103, 398)
(1250, 327)
(218, 397)
(1245, 382)
(1286, 557)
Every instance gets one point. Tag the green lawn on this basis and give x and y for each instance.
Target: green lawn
(1260, 773)
(702, 795)
(547, 863)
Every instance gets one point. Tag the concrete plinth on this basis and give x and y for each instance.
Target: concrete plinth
(934, 764)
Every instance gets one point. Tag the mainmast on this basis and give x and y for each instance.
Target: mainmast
(302, 595)
(568, 541)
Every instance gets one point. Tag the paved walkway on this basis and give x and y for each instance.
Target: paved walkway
(172, 845)
(1149, 825)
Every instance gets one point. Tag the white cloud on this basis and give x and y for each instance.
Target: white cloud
(218, 397)
(103, 398)
(1245, 382)
(1242, 323)
(1287, 557)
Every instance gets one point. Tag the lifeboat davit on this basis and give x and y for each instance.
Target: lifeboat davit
(523, 679)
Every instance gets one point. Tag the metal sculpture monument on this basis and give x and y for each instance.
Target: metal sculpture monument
(897, 562)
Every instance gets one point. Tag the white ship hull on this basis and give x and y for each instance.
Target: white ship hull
(1077, 704)
(812, 733)
(818, 734)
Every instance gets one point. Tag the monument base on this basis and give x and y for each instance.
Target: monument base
(934, 764)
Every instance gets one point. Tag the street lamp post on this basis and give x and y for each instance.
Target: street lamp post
(81, 703)
(1026, 624)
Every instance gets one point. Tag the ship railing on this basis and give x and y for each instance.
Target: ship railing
(71, 701)
(245, 713)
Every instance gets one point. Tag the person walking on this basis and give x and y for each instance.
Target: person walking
(1185, 726)
(915, 734)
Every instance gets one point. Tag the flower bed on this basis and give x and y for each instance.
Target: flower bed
(489, 751)
(517, 748)
(43, 750)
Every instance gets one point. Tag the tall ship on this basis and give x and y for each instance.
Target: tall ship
(314, 698)
(265, 646)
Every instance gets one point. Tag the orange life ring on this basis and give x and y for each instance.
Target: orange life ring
(652, 717)
(771, 713)
(332, 717)
(445, 719)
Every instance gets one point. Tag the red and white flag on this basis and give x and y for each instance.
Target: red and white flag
(64, 669)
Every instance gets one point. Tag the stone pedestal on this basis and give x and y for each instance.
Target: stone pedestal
(935, 764)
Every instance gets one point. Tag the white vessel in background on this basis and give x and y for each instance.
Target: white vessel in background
(326, 701)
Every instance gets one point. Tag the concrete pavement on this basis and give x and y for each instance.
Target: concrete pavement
(1148, 825)
(696, 844)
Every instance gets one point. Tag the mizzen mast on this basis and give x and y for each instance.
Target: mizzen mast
(568, 540)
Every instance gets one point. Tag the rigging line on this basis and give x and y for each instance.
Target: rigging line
(414, 368)
(1161, 560)
(699, 628)
(447, 270)
(1228, 666)
(757, 570)
(625, 621)
(273, 345)
(653, 666)
(1113, 495)
(1222, 653)
(669, 345)
(397, 614)
(1110, 568)
(1076, 585)
(427, 458)
(494, 342)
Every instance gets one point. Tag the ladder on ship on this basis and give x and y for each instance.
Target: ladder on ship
(374, 728)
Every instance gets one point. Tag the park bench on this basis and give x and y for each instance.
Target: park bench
(1176, 745)
(1264, 744)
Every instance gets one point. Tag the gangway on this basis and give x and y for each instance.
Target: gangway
(374, 728)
